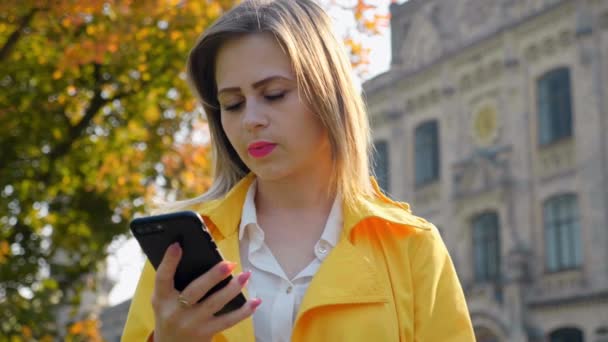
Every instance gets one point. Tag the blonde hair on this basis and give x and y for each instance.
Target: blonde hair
(323, 74)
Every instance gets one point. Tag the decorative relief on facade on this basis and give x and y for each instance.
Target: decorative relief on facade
(422, 44)
(483, 74)
(559, 284)
(421, 101)
(549, 45)
(487, 170)
(385, 117)
(555, 159)
(478, 17)
(477, 12)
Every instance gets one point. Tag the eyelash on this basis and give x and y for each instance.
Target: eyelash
(273, 97)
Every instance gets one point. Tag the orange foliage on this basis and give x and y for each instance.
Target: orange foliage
(87, 329)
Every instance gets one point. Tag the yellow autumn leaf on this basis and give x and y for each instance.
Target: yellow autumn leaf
(152, 113)
(145, 46)
(76, 328)
(4, 251)
(175, 35)
(57, 133)
(26, 331)
(47, 338)
(214, 9)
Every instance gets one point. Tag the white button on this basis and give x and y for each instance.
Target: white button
(288, 290)
(322, 247)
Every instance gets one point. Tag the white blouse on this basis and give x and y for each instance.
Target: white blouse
(281, 297)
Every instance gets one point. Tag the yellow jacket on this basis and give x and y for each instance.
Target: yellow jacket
(389, 278)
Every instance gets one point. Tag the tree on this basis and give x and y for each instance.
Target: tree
(93, 94)
(367, 19)
(95, 118)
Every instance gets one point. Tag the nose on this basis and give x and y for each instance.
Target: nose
(254, 117)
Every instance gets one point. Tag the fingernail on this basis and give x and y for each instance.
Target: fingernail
(243, 277)
(228, 267)
(174, 249)
(255, 303)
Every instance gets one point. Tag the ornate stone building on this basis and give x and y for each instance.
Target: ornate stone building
(491, 122)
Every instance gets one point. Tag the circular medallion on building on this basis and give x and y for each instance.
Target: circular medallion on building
(485, 125)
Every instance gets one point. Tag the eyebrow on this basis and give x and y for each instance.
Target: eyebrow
(257, 84)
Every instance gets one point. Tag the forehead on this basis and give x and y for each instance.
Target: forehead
(244, 60)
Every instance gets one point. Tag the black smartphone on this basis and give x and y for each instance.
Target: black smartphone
(199, 252)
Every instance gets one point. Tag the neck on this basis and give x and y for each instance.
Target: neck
(304, 191)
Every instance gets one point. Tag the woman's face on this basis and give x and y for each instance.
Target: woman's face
(268, 124)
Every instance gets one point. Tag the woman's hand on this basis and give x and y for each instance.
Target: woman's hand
(179, 317)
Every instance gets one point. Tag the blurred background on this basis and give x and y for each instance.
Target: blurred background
(488, 116)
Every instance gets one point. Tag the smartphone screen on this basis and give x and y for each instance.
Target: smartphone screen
(199, 252)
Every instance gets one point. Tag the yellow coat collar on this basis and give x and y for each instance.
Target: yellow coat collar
(226, 212)
(346, 276)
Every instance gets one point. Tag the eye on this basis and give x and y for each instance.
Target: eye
(275, 96)
(233, 107)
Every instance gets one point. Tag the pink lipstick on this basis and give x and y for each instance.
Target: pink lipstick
(260, 149)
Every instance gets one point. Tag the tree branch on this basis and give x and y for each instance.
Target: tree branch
(14, 37)
(75, 131)
(96, 104)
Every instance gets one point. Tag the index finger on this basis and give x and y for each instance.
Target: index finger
(166, 270)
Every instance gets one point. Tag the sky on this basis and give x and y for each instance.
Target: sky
(126, 259)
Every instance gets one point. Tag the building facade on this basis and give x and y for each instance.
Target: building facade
(491, 122)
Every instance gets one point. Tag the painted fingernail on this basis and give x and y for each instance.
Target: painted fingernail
(228, 266)
(174, 249)
(243, 277)
(255, 303)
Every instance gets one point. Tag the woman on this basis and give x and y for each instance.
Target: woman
(330, 258)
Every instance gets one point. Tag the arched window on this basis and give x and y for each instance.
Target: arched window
(566, 335)
(381, 164)
(554, 106)
(486, 247)
(562, 233)
(427, 152)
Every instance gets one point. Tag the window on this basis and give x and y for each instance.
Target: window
(381, 164)
(554, 106)
(562, 233)
(566, 335)
(427, 153)
(486, 247)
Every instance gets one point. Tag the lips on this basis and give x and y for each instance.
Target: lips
(260, 149)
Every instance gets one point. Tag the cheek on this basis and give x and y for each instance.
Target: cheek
(313, 135)
(316, 129)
